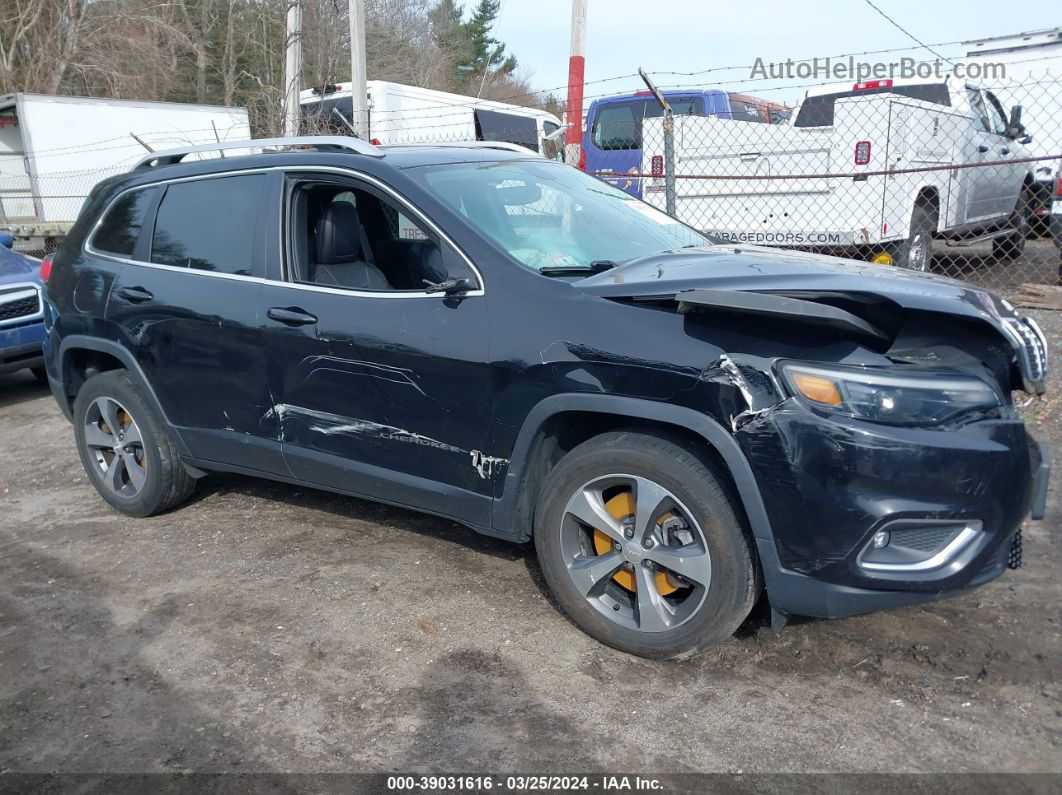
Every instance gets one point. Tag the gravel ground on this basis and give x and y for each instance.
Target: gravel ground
(268, 628)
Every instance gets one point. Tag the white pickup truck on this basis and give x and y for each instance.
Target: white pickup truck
(878, 167)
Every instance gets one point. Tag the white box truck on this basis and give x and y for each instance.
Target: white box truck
(879, 168)
(54, 149)
(400, 114)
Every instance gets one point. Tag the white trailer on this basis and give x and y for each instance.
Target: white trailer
(54, 149)
(400, 114)
(1033, 65)
(837, 145)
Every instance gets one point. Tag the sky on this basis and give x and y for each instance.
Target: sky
(691, 35)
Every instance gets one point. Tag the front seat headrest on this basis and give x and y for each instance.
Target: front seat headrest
(339, 236)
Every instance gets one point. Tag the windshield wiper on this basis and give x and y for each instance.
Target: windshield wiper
(597, 266)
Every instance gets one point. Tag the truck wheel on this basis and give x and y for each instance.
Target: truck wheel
(916, 252)
(643, 548)
(126, 448)
(1012, 246)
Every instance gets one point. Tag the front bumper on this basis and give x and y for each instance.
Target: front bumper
(830, 484)
(21, 347)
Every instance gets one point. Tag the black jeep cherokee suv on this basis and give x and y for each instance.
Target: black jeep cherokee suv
(506, 341)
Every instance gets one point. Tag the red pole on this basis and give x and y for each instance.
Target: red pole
(576, 69)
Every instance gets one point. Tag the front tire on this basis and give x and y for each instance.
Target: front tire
(643, 548)
(916, 252)
(127, 450)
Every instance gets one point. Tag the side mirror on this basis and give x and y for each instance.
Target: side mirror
(553, 144)
(6, 240)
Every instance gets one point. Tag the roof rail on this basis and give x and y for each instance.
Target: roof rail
(505, 145)
(321, 142)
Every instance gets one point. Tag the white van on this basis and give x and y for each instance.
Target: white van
(400, 114)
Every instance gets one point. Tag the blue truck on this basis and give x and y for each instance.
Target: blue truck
(612, 136)
(21, 312)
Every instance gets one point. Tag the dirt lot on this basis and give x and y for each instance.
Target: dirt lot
(268, 628)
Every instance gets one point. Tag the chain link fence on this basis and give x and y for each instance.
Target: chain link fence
(944, 176)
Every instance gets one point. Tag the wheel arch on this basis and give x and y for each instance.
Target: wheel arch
(81, 356)
(538, 446)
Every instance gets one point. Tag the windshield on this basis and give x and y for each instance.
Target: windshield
(551, 216)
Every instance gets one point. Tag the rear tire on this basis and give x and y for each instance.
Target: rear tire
(692, 525)
(1011, 247)
(916, 252)
(127, 450)
(40, 374)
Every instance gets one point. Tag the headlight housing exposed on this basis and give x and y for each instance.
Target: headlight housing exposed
(895, 398)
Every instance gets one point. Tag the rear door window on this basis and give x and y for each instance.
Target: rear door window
(120, 228)
(211, 224)
(818, 111)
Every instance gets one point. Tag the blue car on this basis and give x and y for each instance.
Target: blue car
(21, 312)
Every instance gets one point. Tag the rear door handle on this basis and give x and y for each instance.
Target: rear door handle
(291, 316)
(982, 148)
(1005, 150)
(135, 295)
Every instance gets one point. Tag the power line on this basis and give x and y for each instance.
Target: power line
(906, 32)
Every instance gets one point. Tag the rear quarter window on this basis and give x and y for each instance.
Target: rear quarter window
(120, 227)
(210, 224)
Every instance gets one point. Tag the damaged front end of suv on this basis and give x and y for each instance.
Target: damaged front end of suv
(874, 409)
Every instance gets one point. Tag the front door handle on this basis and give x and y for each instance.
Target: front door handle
(1005, 150)
(291, 316)
(982, 148)
(135, 295)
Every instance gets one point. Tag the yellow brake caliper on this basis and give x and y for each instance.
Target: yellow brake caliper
(621, 507)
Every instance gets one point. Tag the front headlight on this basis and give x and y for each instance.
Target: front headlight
(880, 396)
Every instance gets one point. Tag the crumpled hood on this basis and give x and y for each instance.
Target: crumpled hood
(817, 278)
(761, 269)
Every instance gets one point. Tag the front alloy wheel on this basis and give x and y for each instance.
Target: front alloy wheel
(643, 546)
(635, 552)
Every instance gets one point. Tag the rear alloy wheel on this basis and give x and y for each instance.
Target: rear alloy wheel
(642, 547)
(127, 450)
(115, 447)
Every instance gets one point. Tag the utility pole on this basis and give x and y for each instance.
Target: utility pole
(576, 73)
(358, 91)
(292, 67)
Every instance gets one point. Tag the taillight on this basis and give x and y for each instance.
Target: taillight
(862, 153)
(374, 141)
(582, 158)
(656, 166)
(46, 267)
(1058, 187)
(869, 84)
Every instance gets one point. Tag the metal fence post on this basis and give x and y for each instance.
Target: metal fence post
(669, 144)
(669, 161)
